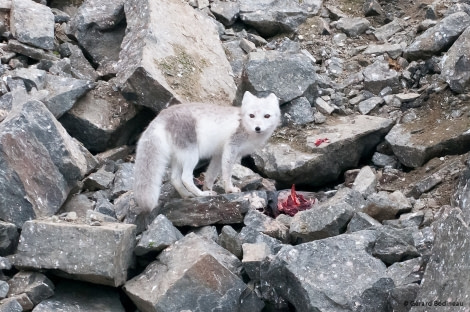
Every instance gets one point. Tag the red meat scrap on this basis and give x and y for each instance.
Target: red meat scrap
(294, 203)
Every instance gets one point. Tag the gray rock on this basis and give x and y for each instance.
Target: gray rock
(288, 75)
(230, 240)
(382, 160)
(326, 274)
(301, 161)
(72, 296)
(99, 28)
(24, 301)
(79, 204)
(32, 23)
(29, 133)
(97, 254)
(249, 235)
(395, 245)
(384, 206)
(64, 93)
(327, 219)
(162, 64)
(124, 179)
(267, 225)
(160, 234)
(32, 77)
(386, 31)
(353, 26)
(9, 237)
(200, 211)
(406, 272)
(208, 231)
(438, 38)
(379, 75)
(4, 288)
(35, 285)
(226, 12)
(372, 8)
(365, 182)
(273, 17)
(96, 218)
(80, 67)
(401, 295)
(194, 274)
(10, 305)
(99, 180)
(34, 53)
(393, 50)
(323, 106)
(361, 221)
(455, 64)
(253, 256)
(297, 112)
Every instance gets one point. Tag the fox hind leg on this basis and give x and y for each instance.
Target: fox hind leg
(212, 172)
(176, 175)
(189, 161)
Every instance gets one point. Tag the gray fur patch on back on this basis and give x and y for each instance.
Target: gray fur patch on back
(182, 128)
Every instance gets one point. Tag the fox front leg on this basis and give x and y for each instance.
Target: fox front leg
(229, 157)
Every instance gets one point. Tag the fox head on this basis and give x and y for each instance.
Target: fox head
(260, 115)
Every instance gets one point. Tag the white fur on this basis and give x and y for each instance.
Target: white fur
(223, 134)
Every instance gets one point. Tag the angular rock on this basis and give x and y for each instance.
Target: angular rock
(194, 274)
(8, 238)
(35, 285)
(326, 274)
(99, 28)
(445, 279)
(226, 12)
(353, 26)
(64, 93)
(438, 38)
(361, 221)
(288, 75)
(395, 245)
(298, 112)
(366, 106)
(200, 211)
(124, 179)
(415, 143)
(10, 305)
(32, 23)
(406, 272)
(230, 240)
(372, 8)
(32, 77)
(31, 133)
(267, 225)
(327, 219)
(4, 288)
(253, 256)
(249, 235)
(208, 232)
(456, 64)
(162, 64)
(401, 294)
(160, 234)
(34, 53)
(393, 50)
(323, 106)
(301, 161)
(97, 254)
(379, 76)
(384, 206)
(365, 182)
(80, 67)
(382, 160)
(84, 297)
(386, 31)
(273, 17)
(99, 180)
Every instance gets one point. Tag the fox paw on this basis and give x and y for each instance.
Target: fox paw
(233, 189)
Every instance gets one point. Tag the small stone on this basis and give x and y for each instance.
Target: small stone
(253, 256)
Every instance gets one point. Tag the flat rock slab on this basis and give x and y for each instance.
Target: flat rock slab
(326, 274)
(96, 254)
(163, 62)
(455, 64)
(30, 134)
(194, 274)
(201, 211)
(415, 143)
(303, 162)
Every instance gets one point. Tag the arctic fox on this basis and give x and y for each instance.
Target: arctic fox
(183, 134)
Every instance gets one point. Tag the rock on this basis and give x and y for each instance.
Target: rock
(272, 17)
(406, 272)
(123, 180)
(297, 112)
(301, 161)
(337, 268)
(365, 182)
(444, 279)
(249, 235)
(414, 146)
(393, 50)
(353, 26)
(35, 285)
(99, 180)
(78, 204)
(80, 67)
(455, 64)
(266, 225)
(437, 38)
(99, 29)
(288, 75)
(394, 245)
(253, 256)
(97, 254)
(382, 160)
(323, 107)
(32, 77)
(162, 64)
(10, 305)
(200, 211)
(372, 8)
(34, 53)
(425, 185)
(64, 93)
(230, 240)
(208, 232)
(31, 133)
(328, 218)
(8, 238)
(361, 221)
(32, 23)
(194, 274)
(383, 33)
(160, 234)
(378, 76)
(78, 296)
(226, 12)
(384, 206)
(366, 106)
(247, 45)
(401, 294)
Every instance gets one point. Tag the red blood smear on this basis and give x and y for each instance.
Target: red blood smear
(294, 203)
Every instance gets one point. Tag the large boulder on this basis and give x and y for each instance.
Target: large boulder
(456, 64)
(309, 160)
(39, 163)
(162, 62)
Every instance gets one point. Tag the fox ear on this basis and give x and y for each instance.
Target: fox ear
(247, 95)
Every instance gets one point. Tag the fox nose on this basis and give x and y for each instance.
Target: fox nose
(258, 129)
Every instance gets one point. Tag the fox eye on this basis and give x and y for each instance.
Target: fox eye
(252, 116)
(267, 116)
